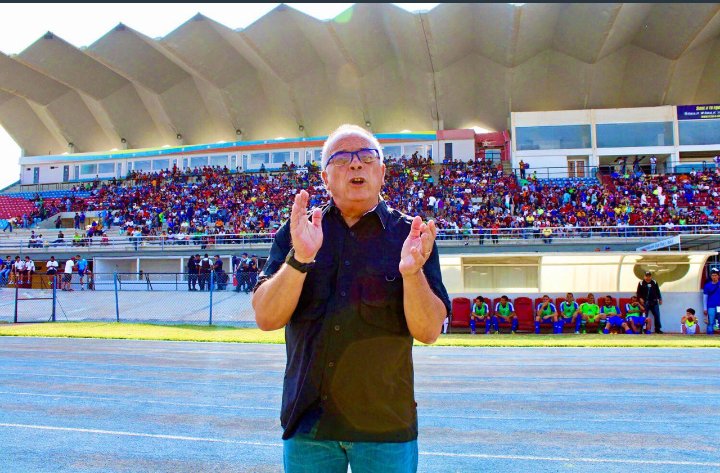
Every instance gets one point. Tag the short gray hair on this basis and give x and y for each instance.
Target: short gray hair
(344, 131)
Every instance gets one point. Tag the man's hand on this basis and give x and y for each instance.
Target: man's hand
(417, 247)
(307, 236)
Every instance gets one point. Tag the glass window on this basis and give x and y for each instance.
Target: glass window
(392, 151)
(142, 165)
(160, 164)
(622, 135)
(699, 132)
(198, 161)
(553, 137)
(106, 168)
(317, 156)
(88, 169)
(500, 278)
(233, 162)
(281, 157)
(410, 149)
(219, 160)
(256, 159)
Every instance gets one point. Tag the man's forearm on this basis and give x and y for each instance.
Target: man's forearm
(424, 311)
(275, 300)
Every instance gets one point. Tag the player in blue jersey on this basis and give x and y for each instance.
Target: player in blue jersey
(480, 312)
(635, 316)
(612, 317)
(505, 311)
(545, 312)
(566, 314)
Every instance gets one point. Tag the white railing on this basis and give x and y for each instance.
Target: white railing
(445, 236)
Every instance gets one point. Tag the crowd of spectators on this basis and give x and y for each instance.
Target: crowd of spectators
(463, 197)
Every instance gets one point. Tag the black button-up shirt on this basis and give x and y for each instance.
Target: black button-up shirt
(349, 350)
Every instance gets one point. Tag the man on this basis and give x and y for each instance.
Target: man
(480, 312)
(588, 312)
(18, 270)
(205, 266)
(252, 272)
(567, 316)
(27, 271)
(5, 270)
(689, 323)
(612, 317)
(218, 273)
(358, 283)
(242, 274)
(67, 276)
(711, 301)
(82, 265)
(653, 164)
(192, 273)
(635, 316)
(505, 311)
(648, 291)
(545, 312)
(51, 269)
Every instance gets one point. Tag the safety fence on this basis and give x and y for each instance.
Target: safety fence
(160, 298)
(139, 244)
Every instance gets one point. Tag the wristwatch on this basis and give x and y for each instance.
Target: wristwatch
(292, 262)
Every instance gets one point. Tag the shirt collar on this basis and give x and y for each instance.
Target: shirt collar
(381, 210)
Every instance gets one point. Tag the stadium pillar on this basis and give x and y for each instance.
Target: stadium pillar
(16, 299)
(117, 304)
(212, 286)
(54, 296)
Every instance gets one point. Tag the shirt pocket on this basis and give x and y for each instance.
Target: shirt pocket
(381, 298)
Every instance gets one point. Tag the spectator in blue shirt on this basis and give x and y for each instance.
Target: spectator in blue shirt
(711, 301)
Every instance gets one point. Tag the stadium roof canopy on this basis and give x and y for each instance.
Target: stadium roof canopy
(291, 75)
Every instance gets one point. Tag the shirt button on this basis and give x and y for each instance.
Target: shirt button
(331, 364)
(343, 293)
(352, 234)
(347, 263)
(324, 397)
(337, 328)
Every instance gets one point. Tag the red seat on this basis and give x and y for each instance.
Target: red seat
(623, 302)
(525, 310)
(460, 312)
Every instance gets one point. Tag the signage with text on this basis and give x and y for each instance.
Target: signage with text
(698, 112)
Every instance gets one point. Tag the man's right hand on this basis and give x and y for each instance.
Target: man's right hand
(306, 234)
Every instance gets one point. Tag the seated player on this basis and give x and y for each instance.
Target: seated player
(689, 323)
(505, 311)
(588, 312)
(566, 315)
(545, 312)
(480, 312)
(635, 316)
(612, 317)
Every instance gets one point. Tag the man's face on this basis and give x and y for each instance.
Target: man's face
(608, 301)
(569, 297)
(648, 278)
(546, 299)
(591, 298)
(634, 300)
(356, 184)
(715, 277)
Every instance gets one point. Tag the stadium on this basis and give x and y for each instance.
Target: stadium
(561, 149)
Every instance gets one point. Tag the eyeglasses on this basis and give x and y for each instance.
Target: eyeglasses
(364, 155)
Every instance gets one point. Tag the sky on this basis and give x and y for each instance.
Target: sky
(83, 24)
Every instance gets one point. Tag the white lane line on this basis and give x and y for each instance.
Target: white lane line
(571, 460)
(234, 382)
(436, 454)
(423, 411)
(139, 434)
(140, 401)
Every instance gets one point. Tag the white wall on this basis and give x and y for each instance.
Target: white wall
(462, 149)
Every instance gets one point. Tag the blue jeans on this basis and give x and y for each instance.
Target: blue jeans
(712, 314)
(303, 454)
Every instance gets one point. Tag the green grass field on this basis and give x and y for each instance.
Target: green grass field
(195, 333)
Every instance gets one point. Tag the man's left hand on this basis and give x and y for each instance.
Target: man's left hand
(417, 247)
